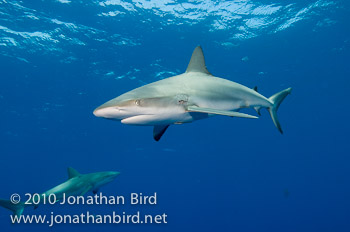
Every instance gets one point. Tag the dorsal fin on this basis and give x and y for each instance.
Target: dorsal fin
(197, 62)
(72, 173)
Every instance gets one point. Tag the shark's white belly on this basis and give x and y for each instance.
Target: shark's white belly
(70, 188)
(169, 115)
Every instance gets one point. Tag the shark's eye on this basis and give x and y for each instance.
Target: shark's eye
(137, 102)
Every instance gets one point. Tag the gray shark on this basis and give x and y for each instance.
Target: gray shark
(76, 185)
(193, 95)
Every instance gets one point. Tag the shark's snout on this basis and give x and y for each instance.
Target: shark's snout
(106, 112)
(98, 112)
(116, 111)
(115, 174)
(111, 176)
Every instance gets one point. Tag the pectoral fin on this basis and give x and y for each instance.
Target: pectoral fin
(218, 112)
(158, 131)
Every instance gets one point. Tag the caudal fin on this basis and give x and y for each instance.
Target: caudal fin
(17, 209)
(277, 100)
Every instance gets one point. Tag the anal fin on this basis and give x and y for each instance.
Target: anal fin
(257, 109)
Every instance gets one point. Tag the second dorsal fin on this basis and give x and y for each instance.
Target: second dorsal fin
(197, 62)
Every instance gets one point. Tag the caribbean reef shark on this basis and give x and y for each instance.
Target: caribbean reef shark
(193, 95)
(76, 185)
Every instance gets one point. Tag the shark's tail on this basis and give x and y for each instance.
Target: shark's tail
(17, 209)
(277, 100)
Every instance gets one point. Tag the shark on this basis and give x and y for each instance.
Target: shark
(190, 96)
(76, 185)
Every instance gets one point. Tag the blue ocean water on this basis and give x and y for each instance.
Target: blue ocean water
(60, 59)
